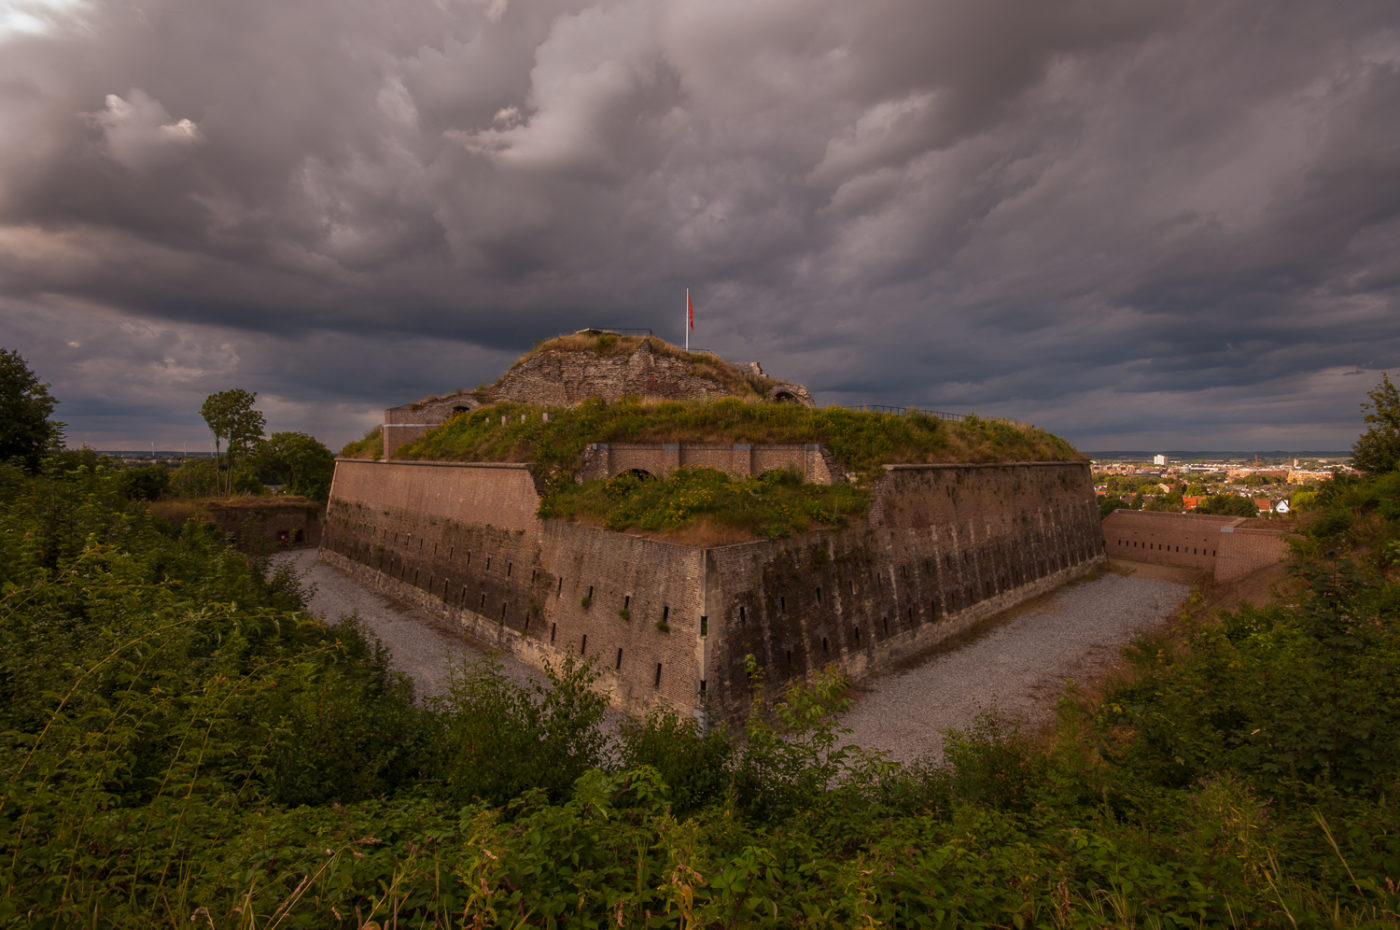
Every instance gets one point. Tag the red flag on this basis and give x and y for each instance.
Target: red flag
(689, 310)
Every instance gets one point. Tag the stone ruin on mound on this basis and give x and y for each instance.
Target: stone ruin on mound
(591, 364)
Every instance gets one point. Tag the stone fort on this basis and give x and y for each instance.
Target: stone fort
(668, 624)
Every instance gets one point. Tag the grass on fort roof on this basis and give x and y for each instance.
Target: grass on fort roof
(708, 506)
(860, 441)
(370, 446)
(720, 507)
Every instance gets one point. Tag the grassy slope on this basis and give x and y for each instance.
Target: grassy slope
(861, 442)
(370, 446)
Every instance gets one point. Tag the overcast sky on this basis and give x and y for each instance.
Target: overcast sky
(1138, 225)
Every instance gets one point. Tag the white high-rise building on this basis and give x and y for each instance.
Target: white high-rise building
(1159, 459)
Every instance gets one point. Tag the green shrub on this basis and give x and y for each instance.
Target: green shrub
(144, 482)
(369, 446)
(992, 764)
(499, 739)
(776, 504)
(692, 763)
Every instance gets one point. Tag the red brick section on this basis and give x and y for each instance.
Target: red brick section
(671, 624)
(1246, 550)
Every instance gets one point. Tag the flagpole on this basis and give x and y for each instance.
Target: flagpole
(687, 319)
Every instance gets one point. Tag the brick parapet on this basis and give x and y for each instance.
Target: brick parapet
(1247, 550)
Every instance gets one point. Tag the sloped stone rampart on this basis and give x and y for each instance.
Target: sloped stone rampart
(670, 624)
(945, 547)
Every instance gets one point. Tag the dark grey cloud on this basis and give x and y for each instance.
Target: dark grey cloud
(1168, 225)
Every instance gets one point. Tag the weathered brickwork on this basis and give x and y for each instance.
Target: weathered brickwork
(604, 460)
(946, 546)
(1246, 550)
(503, 496)
(1217, 544)
(286, 524)
(671, 624)
(563, 377)
(407, 422)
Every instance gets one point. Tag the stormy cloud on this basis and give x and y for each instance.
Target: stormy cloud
(1136, 225)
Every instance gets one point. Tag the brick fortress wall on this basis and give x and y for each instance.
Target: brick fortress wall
(945, 547)
(671, 624)
(1218, 544)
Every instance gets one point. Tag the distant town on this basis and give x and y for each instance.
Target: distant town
(1238, 484)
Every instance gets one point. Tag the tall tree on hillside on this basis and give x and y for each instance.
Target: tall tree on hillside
(26, 432)
(1378, 449)
(232, 417)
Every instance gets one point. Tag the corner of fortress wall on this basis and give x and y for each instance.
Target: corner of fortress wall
(673, 625)
(1221, 545)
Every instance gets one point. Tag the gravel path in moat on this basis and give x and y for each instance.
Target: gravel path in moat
(1018, 663)
(423, 647)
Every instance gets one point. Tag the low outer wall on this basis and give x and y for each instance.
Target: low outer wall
(1217, 544)
(1246, 550)
(1190, 540)
(670, 624)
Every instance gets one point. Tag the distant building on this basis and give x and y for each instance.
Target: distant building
(1159, 459)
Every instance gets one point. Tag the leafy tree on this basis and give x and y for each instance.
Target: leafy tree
(1378, 449)
(1302, 500)
(195, 478)
(26, 432)
(301, 462)
(1168, 503)
(1109, 503)
(1229, 505)
(232, 417)
(144, 482)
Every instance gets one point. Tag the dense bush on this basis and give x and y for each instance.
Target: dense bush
(180, 745)
(369, 446)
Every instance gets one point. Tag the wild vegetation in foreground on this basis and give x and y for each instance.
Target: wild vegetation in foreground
(180, 745)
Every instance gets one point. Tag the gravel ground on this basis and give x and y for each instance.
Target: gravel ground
(1018, 663)
(424, 647)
